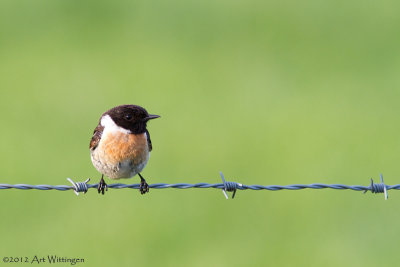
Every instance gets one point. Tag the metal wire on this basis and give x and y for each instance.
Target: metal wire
(225, 186)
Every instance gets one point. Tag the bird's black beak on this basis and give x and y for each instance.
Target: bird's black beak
(151, 116)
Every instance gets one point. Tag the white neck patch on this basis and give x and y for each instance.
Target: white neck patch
(110, 126)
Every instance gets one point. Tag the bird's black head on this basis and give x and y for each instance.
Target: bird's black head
(130, 117)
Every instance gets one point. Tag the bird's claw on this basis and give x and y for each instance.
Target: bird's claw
(102, 185)
(144, 187)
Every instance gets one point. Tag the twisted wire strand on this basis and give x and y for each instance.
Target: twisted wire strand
(225, 186)
(202, 185)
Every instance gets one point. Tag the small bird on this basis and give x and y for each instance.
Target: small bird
(121, 145)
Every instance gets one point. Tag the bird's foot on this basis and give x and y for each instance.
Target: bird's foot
(102, 185)
(144, 187)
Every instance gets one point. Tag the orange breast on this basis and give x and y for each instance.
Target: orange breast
(119, 147)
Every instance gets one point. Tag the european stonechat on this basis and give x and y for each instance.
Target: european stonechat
(121, 145)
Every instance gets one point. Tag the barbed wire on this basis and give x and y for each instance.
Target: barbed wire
(226, 186)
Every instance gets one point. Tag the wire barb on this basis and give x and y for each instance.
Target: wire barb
(229, 186)
(79, 187)
(378, 188)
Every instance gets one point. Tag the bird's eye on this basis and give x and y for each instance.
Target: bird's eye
(128, 117)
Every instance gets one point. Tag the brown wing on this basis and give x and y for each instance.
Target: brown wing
(98, 131)
(149, 141)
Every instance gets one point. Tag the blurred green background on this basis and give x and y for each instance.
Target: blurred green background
(269, 92)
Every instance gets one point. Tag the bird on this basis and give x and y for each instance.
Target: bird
(121, 144)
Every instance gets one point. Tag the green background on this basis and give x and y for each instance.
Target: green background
(269, 92)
